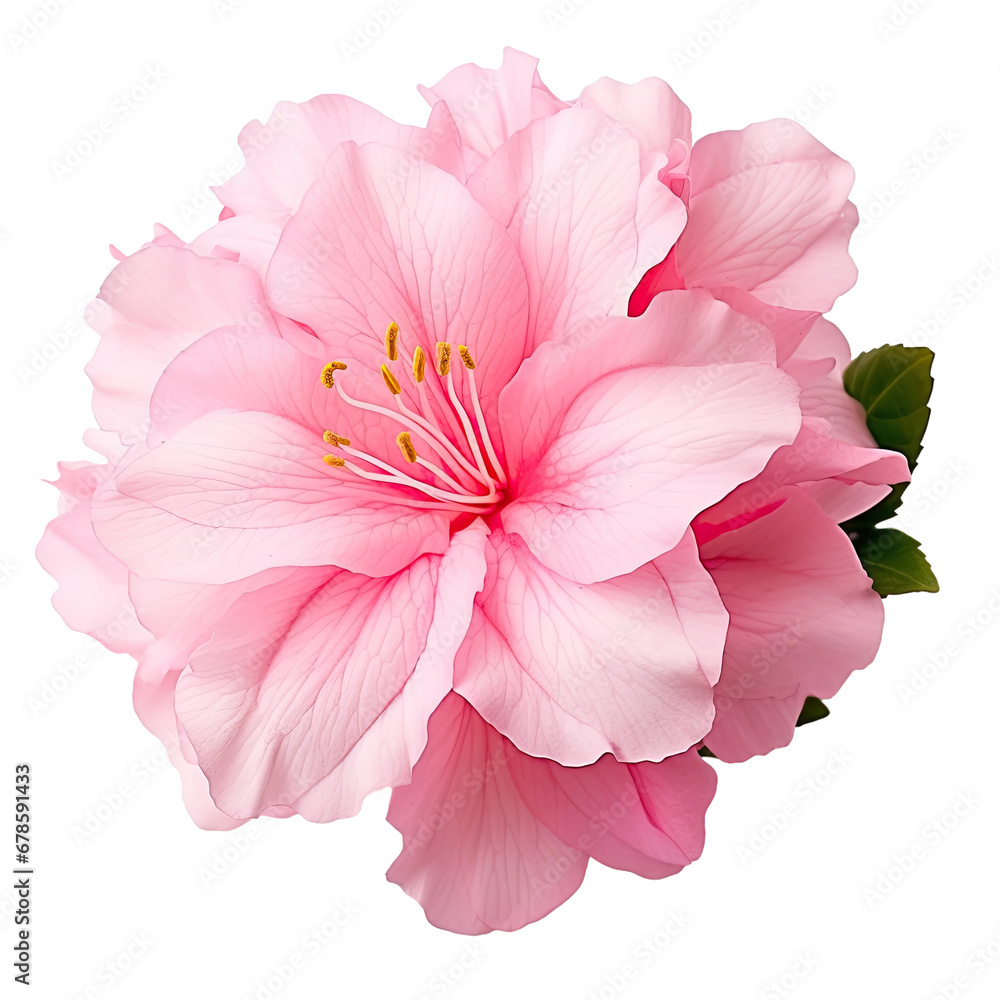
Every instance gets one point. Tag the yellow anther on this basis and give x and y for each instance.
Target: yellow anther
(392, 341)
(390, 381)
(335, 439)
(419, 360)
(406, 446)
(443, 357)
(466, 356)
(333, 460)
(326, 376)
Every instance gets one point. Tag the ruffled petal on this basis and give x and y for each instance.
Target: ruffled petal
(315, 692)
(490, 105)
(474, 854)
(803, 616)
(647, 817)
(234, 493)
(572, 672)
(769, 213)
(571, 193)
(144, 323)
(285, 156)
(613, 450)
(382, 238)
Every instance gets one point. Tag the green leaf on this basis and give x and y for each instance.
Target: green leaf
(705, 752)
(812, 711)
(894, 561)
(893, 384)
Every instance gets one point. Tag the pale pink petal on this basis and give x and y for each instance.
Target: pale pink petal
(234, 493)
(92, 596)
(154, 704)
(747, 727)
(572, 672)
(490, 105)
(474, 855)
(803, 615)
(384, 239)
(828, 467)
(768, 213)
(650, 110)
(144, 322)
(647, 818)
(310, 696)
(568, 191)
(823, 394)
(612, 457)
(285, 156)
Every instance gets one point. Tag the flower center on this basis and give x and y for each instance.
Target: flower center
(466, 474)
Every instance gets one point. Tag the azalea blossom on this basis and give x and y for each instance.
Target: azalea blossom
(499, 462)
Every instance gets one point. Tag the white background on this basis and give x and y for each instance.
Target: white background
(795, 914)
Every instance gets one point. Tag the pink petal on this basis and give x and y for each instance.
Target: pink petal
(383, 238)
(490, 105)
(571, 672)
(803, 616)
(234, 493)
(829, 468)
(613, 451)
(650, 110)
(310, 697)
(823, 394)
(285, 156)
(647, 818)
(143, 323)
(571, 193)
(474, 855)
(93, 592)
(154, 704)
(769, 213)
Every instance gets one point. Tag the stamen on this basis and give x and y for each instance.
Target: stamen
(392, 341)
(470, 435)
(334, 461)
(406, 446)
(390, 381)
(335, 439)
(481, 422)
(443, 358)
(466, 357)
(326, 376)
(419, 360)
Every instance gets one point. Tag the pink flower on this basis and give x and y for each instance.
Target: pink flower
(398, 494)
